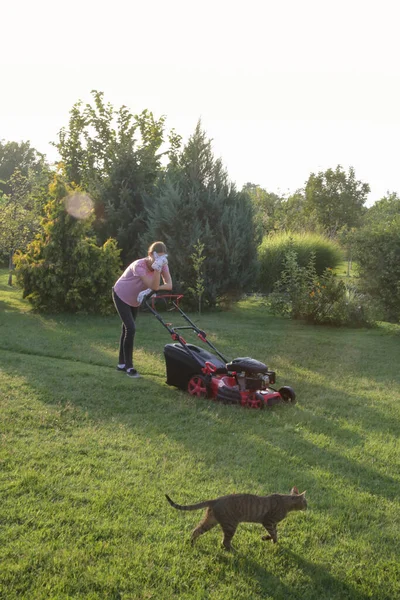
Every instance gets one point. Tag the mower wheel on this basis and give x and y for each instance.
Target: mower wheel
(198, 386)
(288, 394)
(255, 401)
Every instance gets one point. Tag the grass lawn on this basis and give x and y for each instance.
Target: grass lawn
(87, 455)
(348, 272)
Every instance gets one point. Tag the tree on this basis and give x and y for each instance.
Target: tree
(197, 202)
(21, 157)
(18, 218)
(291, 215)
(377, 251)
(115, 156)
(63, 269)
(265, 206)
(383, 210)
(335, 199)
(24, 179)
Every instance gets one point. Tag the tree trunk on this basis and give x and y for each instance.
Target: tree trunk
(10, 267)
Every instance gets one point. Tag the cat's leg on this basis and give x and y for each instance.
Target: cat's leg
(229, 530)
(205, 525)
(273, 534)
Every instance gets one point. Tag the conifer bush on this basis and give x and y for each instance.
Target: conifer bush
(273, 250)
(63, 269)
(197, 203)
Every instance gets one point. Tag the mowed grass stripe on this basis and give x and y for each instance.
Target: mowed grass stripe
(87, 454)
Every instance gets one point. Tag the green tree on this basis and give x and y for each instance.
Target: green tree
(383, 210)
(18, 219)
(265, 206)
(115, 156)
(21, 157)
(335, 199)
(377, 251)
(63, 269)
(196, 201)
(292, 216)
(24, 180)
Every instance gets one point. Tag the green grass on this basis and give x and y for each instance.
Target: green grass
(349, 273)
(87, 455)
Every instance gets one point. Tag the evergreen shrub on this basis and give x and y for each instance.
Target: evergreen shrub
(197, 203)
(273, 249)
(63, 269)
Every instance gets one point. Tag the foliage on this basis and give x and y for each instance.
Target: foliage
(301, 293)
(197, 201)
(335, 199)
(273, 249)
(377, 250)
(384, 210)
(198, 258)
(116, 157)
(20, 157)
(87, 455)
(265, 208)
(291, 215)
(24, 178)
(18, 219)
(63, 269)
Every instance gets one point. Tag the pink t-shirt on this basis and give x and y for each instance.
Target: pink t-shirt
(129, 285)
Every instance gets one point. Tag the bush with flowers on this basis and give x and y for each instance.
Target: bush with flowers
(301, 293)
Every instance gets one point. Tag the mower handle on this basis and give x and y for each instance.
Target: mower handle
(172, 330)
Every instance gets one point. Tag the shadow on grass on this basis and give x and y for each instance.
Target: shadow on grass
(256, 451)
(325, 585)
(67, 337)
(309, 576)
(285, 433)
(226, 438)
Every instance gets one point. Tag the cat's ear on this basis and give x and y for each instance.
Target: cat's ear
(294, 490)
(303, 493)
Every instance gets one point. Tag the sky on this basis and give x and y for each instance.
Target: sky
(283, 88)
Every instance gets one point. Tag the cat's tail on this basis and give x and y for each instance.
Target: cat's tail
(190, 506)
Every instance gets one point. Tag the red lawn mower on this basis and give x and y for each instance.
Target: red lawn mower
(243, 381)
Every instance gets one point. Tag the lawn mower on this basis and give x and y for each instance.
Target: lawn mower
(244, 381)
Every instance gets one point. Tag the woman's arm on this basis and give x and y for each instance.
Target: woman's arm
(152, 281)
(167, 285)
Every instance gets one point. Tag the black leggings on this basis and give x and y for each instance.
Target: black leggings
(128, 316)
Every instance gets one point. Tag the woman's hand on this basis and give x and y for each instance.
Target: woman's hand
(159, 262)
(143, 295)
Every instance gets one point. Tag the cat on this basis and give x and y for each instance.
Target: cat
(229, 511)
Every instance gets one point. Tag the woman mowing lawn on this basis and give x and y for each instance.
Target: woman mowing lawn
(139, 279)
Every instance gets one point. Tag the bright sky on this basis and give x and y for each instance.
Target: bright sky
(283, 87)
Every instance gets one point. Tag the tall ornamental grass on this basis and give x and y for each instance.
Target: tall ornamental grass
(273, 249)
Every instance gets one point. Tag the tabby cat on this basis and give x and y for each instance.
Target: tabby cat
(229, 511)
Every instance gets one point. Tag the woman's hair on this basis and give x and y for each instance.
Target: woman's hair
(158, 247)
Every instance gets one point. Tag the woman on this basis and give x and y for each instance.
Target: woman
(140, 278)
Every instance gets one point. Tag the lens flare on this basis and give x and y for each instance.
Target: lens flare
(79, 205)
